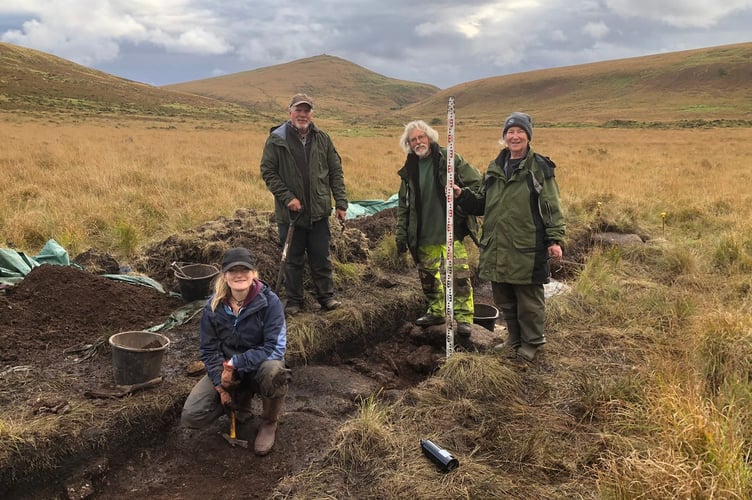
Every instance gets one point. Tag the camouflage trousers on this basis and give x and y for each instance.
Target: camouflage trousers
(431, 262)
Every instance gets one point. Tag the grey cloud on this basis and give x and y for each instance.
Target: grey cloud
(438, 42)
(680, 13)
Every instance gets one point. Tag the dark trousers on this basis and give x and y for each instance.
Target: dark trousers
(312, 242)
(203, 404)
(523, 308)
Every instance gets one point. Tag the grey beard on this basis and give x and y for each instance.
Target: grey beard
(424, 154)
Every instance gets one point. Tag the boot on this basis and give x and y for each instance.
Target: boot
(513, 333)
(528, 351)
(268, 429)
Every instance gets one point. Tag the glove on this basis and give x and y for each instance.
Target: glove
(229, 381)
(401, 247)
(225, 397)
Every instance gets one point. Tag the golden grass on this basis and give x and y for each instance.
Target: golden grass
(118, 186)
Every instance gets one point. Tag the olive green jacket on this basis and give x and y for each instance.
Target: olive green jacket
(284, 179)
(522, 217)
(409, 216)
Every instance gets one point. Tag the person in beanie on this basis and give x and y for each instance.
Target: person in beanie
(421, 223)
(523, 226)
(242, 343)
(303, 170)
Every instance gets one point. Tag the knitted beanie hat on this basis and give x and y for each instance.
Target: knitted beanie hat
(522, 120)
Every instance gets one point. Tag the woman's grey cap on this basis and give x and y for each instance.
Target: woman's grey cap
(301, 99)
(522, 120)
(238, 257)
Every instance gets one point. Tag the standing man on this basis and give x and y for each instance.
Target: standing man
(303, 170)
(523, 226)
(421, 223)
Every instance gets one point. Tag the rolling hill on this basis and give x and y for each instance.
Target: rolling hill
(339, 88)
(32, 82)
(695, 87)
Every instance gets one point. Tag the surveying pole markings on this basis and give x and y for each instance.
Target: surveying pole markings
(449, 261)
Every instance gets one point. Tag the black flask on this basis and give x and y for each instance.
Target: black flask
(439, 455)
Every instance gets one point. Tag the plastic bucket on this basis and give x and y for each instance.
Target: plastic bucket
(485, 315)
(137, 356)
(195, 280)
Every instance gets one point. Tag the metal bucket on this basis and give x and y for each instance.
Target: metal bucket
(195, 280)
(137, 356)
(485, 315)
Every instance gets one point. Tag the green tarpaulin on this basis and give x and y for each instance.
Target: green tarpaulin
(15, 265)
(370, 207)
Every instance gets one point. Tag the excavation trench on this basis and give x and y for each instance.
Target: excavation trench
(134, 446)
(54, 351)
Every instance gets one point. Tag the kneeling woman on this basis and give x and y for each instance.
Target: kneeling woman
(243, 337)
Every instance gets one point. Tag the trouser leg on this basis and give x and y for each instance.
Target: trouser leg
(531, 313)
(523, 308)
(430, 261)
(429, 265)
(320, 260)
(464, 308)
(202, 406)
(506, 300)
(294, 267)
(243, 398)
(272, 379)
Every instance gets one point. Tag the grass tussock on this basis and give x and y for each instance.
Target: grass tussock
(364, 440)
(692, 449)
(601, 398)
(687, 434)
(733, 255)
(724, 351)
(385, 255)
(473, 376)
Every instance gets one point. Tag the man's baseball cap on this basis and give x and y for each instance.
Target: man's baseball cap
(301, 99)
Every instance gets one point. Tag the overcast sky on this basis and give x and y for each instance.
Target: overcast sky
(438, 42)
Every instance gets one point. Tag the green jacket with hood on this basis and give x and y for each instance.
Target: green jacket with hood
(285, 180)
(522, 218)
(409, 214)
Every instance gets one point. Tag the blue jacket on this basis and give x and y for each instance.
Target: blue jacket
(257, 334)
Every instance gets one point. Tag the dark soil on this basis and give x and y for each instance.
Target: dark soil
(55, 308)
(55, 324)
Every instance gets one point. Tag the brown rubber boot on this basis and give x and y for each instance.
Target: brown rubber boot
(268, 429)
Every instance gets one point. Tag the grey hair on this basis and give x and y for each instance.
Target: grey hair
(404, 141)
